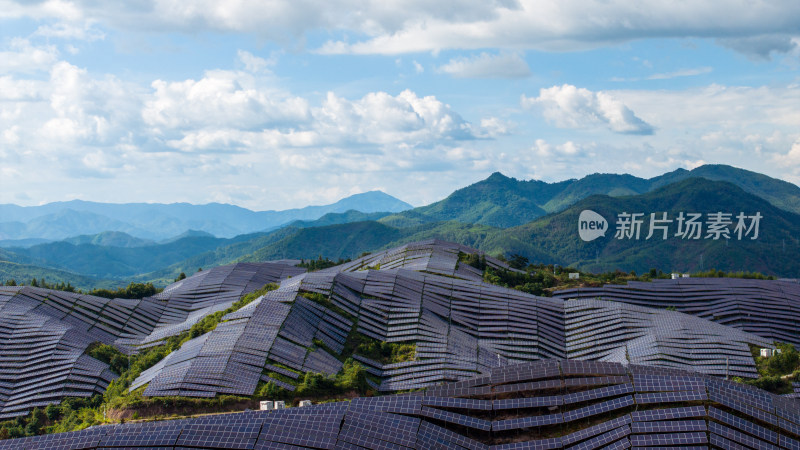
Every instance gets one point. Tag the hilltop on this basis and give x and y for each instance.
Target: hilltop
(505, 202)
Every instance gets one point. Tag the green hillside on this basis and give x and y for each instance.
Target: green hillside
(106, 261)
(499, 215)
(557, 235)
(24, 273)
(109, 239)
(553, 239)
(505, 202)
(497, 201)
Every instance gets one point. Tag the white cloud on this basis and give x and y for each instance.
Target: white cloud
(492, 127)
(578, 24)
(254, 64)
(418, 67)
(568, 149)
(791, 158)
(668, 75)
(570, 107)
(380, 118)
(681, 73)
(221, 99)
(71, 31)
(88, 110)
(394, 26)
(485, 65)
(24, 57)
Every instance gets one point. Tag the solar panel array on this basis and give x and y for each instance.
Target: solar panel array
(44, 334)
(549, 404)
(611, 331)
(767, 308)
(461, 326)
(418, 293)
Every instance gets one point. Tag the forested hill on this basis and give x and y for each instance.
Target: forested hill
(554, 238)
(773, 252)
(505, 202)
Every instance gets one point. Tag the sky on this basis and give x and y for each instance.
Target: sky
(284, 103)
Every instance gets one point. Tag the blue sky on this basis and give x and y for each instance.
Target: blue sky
(280, 104)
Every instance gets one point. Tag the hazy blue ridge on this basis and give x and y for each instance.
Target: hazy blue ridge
(154, 221)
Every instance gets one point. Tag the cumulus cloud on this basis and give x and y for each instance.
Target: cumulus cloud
(485, 65)
(221, 99)
(791, 158)
(381, 118)
(570, 107)
(88, 110)
(23, 57)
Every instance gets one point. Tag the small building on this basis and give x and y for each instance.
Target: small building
(574, 276)
(766, 352)
(305, 403)
(686, 275)
(280, 404)
(266, 405)
(675, 276)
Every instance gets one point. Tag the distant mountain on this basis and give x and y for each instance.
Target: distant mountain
(116, 255)
(498, 215)
(554, 238)
(102, 261)
(156, 221)
(22, 243)
(339, 218)
(109, 239)
(505, 202)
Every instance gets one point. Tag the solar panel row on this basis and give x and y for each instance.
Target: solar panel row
(602, 417)
(766, 308)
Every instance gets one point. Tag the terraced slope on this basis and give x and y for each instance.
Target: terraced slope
(619, 332)
(550, 404)
(45, 334)
(767, 308)
(422, 294)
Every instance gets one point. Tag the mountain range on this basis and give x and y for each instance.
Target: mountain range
(504, 202)
(499, 215)
(155, 221)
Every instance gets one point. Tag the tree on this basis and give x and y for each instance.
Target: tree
(784, 362)
(35, 423)
(52, 412)
(518, 261)
(182, 276)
